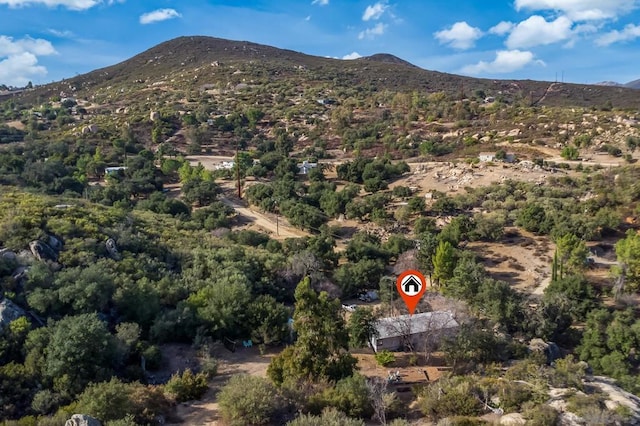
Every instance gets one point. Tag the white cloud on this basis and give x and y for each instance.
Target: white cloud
(37, 46)
(374, 11)
(69, 4)
(158, 16)
(506, 61)
(352, 55)
(17, 70)
(61, 33)
(582, 10)
(630, 32)
(320, 2)
(536, 31)
(460, 36)
(19, 59)
(502, 28)
(371, 33)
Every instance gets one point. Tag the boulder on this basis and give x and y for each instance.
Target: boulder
(20, 273)
(82, 420)
(8, 255)
(91, 128)
(42, 251)
(112, 248)
(550, 349)
(154, 115)
(513, 419)
(55, 243)
(9, 312)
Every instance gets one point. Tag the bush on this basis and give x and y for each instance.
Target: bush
(106, 401)
(152, 357)
(45, 402)
(351, 396)
(542, 415)
(453, 396)
(329, 417)
(187, 386)
(249, 400)
(385, 358)
(461, 421)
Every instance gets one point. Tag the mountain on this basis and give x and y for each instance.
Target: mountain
(635, 84)
(195, 62)
(609, 83)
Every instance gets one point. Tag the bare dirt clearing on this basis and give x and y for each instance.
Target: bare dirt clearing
(244, 361)
(451, 178)
(16, 124)
(522, 259)
(276, 226)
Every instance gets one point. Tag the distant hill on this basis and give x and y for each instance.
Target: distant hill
(190, 63)
(609, 83)
(635, 84)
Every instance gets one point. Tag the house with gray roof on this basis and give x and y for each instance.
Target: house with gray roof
(412, 331)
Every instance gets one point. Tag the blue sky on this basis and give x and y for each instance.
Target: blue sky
(580, 41)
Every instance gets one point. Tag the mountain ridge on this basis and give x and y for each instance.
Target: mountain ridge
(200, 57)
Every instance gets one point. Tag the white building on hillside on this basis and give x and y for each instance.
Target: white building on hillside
(416, 331)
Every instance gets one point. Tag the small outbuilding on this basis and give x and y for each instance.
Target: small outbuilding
(415, 331)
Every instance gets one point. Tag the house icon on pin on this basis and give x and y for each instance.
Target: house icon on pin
(412, 285)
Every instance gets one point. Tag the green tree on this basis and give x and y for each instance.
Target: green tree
(577, 291)
(572, 253)
(444, 261)
(628, 253)
(222, 306)
(321, 349)
(268, 320)
(534, 219)
(200, 192)
(250, 400)
(81, 350)
(361, 327)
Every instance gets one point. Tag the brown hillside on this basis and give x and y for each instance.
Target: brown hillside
(198, 55)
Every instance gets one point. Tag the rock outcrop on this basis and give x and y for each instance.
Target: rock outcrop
(550, 349)
(82, 420)
(9, 311)
(42, 251)
(112, 249)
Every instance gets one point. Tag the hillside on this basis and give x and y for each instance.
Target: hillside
(191, 62)
(164, 219)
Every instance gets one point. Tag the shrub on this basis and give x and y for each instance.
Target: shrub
(106, 401)
(453, 396)
(329, 417)
(152, 357)
(385, 358)
(351, 396)
(45, 402)
(542, 415)
(460, 421)
(249, 400)
(187, 386)
(116, 402)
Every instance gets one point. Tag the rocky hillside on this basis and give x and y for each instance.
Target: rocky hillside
(191, 62)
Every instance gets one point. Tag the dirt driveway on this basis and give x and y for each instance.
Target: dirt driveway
(244, 361)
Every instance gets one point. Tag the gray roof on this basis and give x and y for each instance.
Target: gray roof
(405, 325)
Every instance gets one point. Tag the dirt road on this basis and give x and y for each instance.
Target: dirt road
(276, 226)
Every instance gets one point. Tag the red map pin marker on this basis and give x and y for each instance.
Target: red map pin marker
(411, 285)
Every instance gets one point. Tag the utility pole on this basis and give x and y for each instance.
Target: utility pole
(238, 169)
